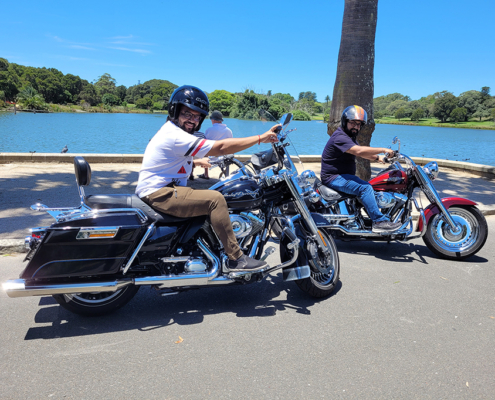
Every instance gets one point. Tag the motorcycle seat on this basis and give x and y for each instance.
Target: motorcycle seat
(107, 201)
(332, 195)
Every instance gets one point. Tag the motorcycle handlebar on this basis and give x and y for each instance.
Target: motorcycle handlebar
(394, 155)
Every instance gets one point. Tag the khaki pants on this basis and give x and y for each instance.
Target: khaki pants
(184, 202)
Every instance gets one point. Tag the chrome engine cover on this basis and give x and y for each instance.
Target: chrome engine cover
(246, 223)
(195, 265)
(388, 200)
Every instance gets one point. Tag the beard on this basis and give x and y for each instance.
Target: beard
(188, 128)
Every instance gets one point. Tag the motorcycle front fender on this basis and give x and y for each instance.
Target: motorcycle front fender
(447, 202)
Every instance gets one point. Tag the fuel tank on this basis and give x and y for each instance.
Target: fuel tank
(241, 194)
(390, 180)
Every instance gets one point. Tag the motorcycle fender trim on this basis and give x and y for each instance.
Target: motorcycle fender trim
(447, 202)
(319, 219)
(296, 273)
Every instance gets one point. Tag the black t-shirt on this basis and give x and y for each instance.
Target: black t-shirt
(334, 160)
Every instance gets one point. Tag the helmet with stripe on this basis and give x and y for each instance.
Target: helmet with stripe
(353, 113)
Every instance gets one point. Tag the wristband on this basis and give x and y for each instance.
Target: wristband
(259, 140)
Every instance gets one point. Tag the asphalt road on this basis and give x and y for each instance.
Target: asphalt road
(402, 324)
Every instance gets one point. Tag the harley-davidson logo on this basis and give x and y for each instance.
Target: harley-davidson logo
(252, 193)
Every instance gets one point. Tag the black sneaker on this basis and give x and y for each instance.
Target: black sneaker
(385, 226)
(245, 263)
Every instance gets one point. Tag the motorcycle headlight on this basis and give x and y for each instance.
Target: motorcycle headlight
(431, 169)
(307, 178)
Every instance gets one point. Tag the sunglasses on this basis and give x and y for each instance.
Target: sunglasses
(357, 124)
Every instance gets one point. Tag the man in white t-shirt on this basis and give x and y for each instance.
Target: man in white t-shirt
(217, 131)
(168, 161)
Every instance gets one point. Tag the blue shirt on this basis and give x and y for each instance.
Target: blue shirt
(334, 160)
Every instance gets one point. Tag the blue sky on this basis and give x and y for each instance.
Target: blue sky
(422, 47)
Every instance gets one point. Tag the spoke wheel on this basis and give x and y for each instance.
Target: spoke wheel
(325, 270)
(472, 234)
(96, 303)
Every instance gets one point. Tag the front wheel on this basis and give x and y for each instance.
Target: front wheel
(457, 245)
(325, 270)
(97, 303)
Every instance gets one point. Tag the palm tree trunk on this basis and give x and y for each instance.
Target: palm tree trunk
(354, 83)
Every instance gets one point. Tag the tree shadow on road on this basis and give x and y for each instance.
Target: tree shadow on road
(148, 311)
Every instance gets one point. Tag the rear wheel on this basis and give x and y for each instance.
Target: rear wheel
(457, 245)
(96, 303)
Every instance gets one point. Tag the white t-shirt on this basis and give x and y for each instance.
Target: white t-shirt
(169, 158)
(218, 132)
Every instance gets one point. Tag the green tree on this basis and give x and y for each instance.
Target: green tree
(105, 84)
(247, 105)
(395, 105)
(444, 105)
(110, 99)
(400, 113)
(485, 93)
(470, 100)
(89, 95)
(222, 101)
(458, 114)
(31, 99)
(9, 80)
(481, 112)
(417, 114)
(120, 92)
(144, 103)
(354, 83)
(492, 114)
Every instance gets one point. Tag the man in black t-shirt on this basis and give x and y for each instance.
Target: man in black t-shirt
(338, 165)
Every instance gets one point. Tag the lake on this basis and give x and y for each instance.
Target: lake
(130, 133)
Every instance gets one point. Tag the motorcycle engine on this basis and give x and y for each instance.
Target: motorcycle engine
(246, 223)
(388, 200)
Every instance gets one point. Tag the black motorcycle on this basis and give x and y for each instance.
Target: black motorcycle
(95, 257)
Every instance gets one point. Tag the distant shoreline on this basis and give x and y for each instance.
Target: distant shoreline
(70, 110)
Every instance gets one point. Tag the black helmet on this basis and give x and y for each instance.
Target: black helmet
(353, 113)
(193, 98)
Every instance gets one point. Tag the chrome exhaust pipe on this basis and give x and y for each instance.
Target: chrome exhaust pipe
(18, 287)
(365, 233)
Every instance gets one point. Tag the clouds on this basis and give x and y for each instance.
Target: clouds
(124, 43)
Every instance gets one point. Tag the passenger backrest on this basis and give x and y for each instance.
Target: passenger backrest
(82, 171)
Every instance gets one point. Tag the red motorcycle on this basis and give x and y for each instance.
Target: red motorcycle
(453, 228)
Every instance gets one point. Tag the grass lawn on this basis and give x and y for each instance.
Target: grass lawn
(471, 124)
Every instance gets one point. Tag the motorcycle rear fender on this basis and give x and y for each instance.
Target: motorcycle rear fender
(447, 202)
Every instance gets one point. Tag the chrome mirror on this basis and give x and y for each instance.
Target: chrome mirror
(285, 120)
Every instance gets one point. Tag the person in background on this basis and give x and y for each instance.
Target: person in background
(338, 165)
(217, 131)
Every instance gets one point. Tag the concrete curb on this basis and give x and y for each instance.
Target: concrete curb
(10, 158)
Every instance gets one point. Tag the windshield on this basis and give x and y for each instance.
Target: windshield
(284, 137)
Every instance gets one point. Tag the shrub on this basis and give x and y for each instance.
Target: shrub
(300, 115)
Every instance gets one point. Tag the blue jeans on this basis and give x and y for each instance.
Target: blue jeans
(351, 184)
